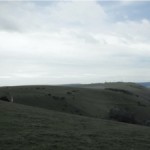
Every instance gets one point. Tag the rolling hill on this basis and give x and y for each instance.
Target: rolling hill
(81, 116)
(30, 128)
(93, 100)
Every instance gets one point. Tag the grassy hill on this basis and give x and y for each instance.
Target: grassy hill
(30, 128)
(75, 117)
(93, 100)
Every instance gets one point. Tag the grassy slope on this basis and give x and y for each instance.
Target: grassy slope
(29, 128)
(89, 100)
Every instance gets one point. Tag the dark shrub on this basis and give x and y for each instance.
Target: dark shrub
(62, 98)
(120, 90)
(55, 97)
(74, 90)
(77, 111)
(63, 109)
(69, 93)
(141, 104)
(49, 94)
(4, 98)
(122, 115)
(147, 122)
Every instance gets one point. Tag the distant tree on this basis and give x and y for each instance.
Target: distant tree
(122, 115)
(120, 90)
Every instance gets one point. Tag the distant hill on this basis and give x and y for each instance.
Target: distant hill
(146, 84)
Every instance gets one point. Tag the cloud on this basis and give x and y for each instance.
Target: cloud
(128, 2)
(17, 15)
(68, 42)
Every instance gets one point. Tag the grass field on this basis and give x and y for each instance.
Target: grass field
(28, 128)
(74, 117)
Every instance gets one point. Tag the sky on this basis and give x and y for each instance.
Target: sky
(74, 41)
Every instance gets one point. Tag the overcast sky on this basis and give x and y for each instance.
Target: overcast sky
(57, 42)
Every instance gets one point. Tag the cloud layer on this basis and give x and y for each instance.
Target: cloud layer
(71, 42)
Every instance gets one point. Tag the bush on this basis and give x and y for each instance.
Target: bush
(147, 123)
(49, 95)
(141, 104)
(122, 115)
(62, 98)
(69, 93)
(4, 98)
(120, 90)
(55, 97)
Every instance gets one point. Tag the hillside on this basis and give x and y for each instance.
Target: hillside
(93, 100)
(29, 128)
(146, 84)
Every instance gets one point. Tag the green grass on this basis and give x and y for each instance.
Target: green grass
(29, 128)
(85, 100)
(74, 118)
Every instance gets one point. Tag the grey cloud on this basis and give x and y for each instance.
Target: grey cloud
(64, 43)
(8, 25)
